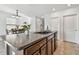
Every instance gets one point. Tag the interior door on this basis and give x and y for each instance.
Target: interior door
(69, 28)
(55, 25)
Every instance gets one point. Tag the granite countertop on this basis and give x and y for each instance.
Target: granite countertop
(21, 41)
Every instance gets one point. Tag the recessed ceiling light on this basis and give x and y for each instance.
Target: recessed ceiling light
(69, 5)
(53, 9)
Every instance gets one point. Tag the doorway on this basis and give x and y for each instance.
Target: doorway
(69, 28)
(55, 25)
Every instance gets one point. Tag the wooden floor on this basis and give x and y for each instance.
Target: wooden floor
(67, 48)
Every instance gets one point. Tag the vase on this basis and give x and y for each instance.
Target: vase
(27, 32)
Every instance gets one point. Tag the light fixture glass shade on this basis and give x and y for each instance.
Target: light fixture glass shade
(17, 15)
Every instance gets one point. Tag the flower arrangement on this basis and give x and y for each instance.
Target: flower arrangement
(21, 28)
(25, 27)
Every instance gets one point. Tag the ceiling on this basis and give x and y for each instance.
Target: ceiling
(39, 9)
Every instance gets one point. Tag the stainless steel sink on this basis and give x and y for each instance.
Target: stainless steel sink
(44, 32)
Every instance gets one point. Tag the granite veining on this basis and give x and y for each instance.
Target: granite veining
(20, 41)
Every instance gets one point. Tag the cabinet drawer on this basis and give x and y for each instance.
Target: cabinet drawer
(50, 37)
(42, 42)
(36, 53)
(35, 47)
(49, 47)
(32, 49)
(43, 50)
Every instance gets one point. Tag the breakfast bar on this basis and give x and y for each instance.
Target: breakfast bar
(32, 44)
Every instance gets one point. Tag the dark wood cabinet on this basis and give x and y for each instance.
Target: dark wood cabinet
(49, 47)
(55, 41)
(52, 45)
(36, 53)
(46, 46)
(38, 47)
(37, 43)
(43, 50)
(31, 50)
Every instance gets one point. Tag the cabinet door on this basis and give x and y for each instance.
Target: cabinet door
(49, 47)
(36, 53)
(43, 50)
(32, 49)
(70, 28)
(55, 41)
(52, 45)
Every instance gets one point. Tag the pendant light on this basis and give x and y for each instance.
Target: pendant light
(17, 14)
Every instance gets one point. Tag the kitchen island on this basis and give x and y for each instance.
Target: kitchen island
(32, 44)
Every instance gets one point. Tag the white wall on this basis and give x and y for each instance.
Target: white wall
(33, 24)
(22, 20)
(6, 12)
(10, 20)
(3, 17)
(60, 14)
(10, 10)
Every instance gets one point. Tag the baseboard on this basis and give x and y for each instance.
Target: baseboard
(71, 42)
